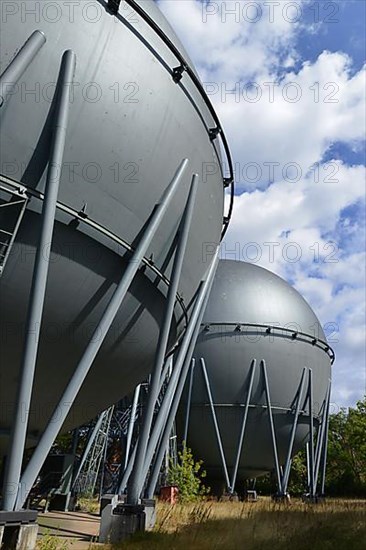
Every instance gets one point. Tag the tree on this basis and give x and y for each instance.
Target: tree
(346, 469)
(298, 476)
(187, 475)
(346, 461)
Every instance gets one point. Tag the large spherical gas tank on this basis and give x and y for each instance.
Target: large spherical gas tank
(130, 126)
(254, 314)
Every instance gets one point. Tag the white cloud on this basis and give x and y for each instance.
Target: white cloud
(222, 39)
(300, 220)
(287, 117)
(306, 112)
(297, 208)
(305, 209)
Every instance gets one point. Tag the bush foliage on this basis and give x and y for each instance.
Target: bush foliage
(346, 462)
(187, 474)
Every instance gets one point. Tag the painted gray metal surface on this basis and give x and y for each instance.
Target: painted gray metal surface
(39, 280)
(61, 409)
(167, 411)
(130, 126)
(245, 293)
(162, 346)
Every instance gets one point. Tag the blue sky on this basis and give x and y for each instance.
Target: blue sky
(298, 146)
(344, 31)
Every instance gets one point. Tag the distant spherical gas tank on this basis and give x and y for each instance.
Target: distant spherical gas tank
(130, 126)
(253, 314)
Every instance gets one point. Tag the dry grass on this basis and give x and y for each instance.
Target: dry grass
(89, 505)
(334, 525)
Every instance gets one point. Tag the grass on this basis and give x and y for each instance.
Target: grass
(89, 505)
(256, 526)
(264, 525)
(50, 542)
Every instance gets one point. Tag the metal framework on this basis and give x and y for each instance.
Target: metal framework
(110, 441)
(142, 460)
(57, 419)
(154, 438)
(94, 455)
(9, 228)
(120, 436)
(17, 486)
(316, 447)
(162, 347)
(159, 412)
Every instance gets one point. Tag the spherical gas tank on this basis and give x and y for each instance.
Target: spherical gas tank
(132, 120)
(254, 315)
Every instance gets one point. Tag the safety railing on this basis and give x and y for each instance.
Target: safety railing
(274, 330)
(177, 74)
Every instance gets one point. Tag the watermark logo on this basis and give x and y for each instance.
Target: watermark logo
(290, 252)
(270, 92)
(68, 11)
(271, 11)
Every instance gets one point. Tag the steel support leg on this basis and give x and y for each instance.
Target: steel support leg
(287, 468)
(168, 397)
(311, 442)
(325, 448)
(164, 439)
(271, 424)
(131, 460)
(166, 370)
(154, 387)
(96, 341)
(179, 390)
(126, 474)
(104, 457)
(39, 282)
(318, 446)
(307, 463)
(188, 410)
(243, 426)
(216, 425)
(20, 63)
(89, 444)
(131, 423)
(320, 439)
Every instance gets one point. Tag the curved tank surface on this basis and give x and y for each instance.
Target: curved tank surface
(130, 126)
(254, 314)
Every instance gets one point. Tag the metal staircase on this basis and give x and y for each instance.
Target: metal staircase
(94, 456)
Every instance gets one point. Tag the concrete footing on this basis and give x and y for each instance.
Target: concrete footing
(60, 502)
(120, 521)
(18, 530)
(110, 498)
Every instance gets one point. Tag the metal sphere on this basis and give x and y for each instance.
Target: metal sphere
(132, 121)
(252, 314)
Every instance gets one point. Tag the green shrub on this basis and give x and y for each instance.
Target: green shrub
(187, 475)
